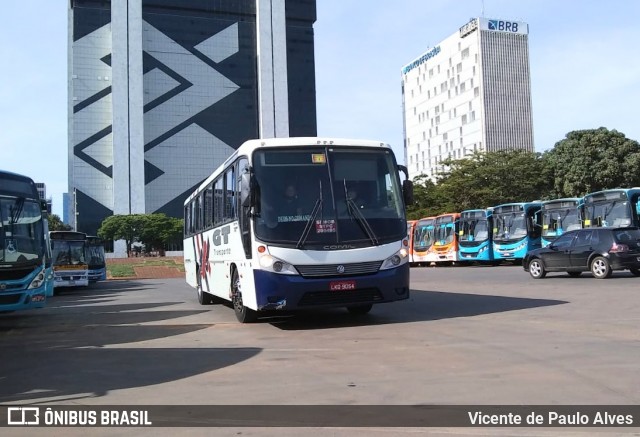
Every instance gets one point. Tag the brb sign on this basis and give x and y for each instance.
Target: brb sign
(505, 26)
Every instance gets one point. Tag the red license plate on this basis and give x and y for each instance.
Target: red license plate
(342, 285)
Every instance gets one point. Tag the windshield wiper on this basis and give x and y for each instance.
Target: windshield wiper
(307, 227)
(17, 211)
(355, 212)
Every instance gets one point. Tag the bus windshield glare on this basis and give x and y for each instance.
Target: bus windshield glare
(326, 196)
(510, 226)
(21, 231)
(65, 252)
(423, 235)
(474, 229)
(614, 213)
(444, 234)
(557, 221)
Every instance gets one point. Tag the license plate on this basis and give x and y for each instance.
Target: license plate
(507, 254)
(72, 282)
(342, 285)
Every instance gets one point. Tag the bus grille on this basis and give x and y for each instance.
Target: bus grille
(14, 274)
(10, 299)
(325, 297)
(316, 271)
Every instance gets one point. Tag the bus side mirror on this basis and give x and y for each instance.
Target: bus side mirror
(245, 190)
(638, 207)
(407, 192)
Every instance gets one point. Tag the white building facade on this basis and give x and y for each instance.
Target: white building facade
(471, 92)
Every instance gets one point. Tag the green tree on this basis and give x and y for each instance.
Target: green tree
(592, 160)
(55, 224)
(123, 227)
(159, 230)
(426, 199)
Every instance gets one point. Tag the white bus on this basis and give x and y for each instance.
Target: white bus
(279, 226)
(70, 267)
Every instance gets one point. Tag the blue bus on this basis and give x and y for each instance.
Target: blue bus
(94, 255)
(558, 216)
(612, 208)
(515, 231)
(475, 242)
(23, 274)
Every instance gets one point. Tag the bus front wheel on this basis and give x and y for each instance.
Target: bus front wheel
(359, 310)
(243, 314)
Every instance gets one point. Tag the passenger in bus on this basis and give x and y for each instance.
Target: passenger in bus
(291, 204)
(354, 195)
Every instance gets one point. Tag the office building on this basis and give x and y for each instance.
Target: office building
(42, 192)
(161, 92)
(471, 92)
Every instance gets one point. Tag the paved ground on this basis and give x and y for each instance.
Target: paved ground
(469, 335)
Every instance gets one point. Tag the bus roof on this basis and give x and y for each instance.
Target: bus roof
(248, 147)
(67, 235)
(23, 186)
(576, 200)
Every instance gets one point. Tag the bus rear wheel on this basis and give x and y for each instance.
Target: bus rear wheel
(243, 314)
(359, 310)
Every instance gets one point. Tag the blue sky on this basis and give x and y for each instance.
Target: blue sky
(584, 56)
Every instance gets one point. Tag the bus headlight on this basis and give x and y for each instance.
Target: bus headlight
(275, 265)
(37, 281)
(397, 259)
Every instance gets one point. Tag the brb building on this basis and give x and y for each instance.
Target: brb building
(161, 92)
(469, 93)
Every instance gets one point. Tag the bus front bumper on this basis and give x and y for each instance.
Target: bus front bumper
(294, 292)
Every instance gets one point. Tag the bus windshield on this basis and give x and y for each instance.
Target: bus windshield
(423, 235)
(67, 253)
(444, 234)
(94, 255)
(616, 213)
(558, 221)
(327, 196)
(474, 229)
(510, 226)
(21, 231)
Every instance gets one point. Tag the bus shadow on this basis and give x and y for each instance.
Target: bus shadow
(76, 351)
(422, 306)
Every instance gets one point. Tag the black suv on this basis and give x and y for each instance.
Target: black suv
(599, 250)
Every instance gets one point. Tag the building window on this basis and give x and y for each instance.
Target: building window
(465, 53)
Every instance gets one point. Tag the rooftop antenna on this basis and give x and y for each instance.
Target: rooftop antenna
(482, 9)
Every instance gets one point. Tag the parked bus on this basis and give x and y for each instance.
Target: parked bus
(612, 208)
(94, 255)
(253, 240)
(23, 276)
(70, 267)
(475, 237)
(444, 249)
(421, 240)
(515, 231)
(558, 216)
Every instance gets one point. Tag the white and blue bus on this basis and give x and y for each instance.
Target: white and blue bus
(475, 239)
(515, 231)
(70, 267)
(558, 216)
(616, 207)
(300, 223)
(23, 274)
